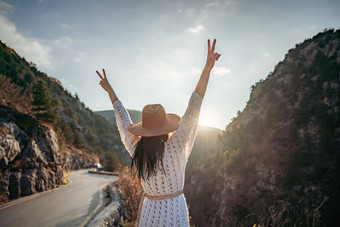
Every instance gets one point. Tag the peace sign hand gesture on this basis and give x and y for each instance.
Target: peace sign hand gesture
(104, 82)
(107, 87)
(212, 56)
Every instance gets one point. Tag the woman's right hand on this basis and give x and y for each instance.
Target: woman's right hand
(104, 82)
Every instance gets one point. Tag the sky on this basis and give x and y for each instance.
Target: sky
(153, 51)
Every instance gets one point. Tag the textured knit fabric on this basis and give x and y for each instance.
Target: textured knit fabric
(168, 212)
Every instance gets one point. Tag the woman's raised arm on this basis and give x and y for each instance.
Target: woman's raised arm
(211, 58)
(107, 87)
(123, 119)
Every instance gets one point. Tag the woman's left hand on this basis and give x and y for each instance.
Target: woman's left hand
(212, 55)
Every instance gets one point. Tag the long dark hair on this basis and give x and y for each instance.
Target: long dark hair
(148, 155)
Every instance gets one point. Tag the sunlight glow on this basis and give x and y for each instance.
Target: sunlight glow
(206, 120)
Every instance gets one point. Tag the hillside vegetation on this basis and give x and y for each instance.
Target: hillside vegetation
(278, 162)
(46, 131)
(76, 125)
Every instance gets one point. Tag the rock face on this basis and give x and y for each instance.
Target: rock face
(32, 164)
(33, 158)
(277, 162)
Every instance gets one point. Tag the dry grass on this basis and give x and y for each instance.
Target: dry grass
(65, 178)
(128, 224)
(3, 199)
(131, 190)
(11, 95)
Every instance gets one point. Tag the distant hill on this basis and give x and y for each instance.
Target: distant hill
(278, 162)
(110, 116)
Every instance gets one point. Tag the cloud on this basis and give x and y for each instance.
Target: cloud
(196, 29)
(221, 71)
(66, 26)
(261, 63)
(6, 8)
(231, 2)
(265, 55)
(63, 42)
(210, 4)
(189, 12)
(181, 54)
(31, 49)
(195, 71)
(80, 56)
(223, 4)
(313, 27)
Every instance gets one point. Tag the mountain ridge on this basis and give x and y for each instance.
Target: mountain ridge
(277, 162)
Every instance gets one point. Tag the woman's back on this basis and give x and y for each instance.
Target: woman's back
(169, 179)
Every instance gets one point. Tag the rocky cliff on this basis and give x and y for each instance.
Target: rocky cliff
(44, 130)
(277, 162)
(33, 162)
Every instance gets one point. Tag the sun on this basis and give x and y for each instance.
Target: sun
(206, 120)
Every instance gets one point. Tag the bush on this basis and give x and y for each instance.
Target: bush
(131, 190)
(110, 161)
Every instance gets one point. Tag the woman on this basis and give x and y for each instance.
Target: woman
(160, 145)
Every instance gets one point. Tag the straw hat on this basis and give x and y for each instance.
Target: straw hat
(155, 121)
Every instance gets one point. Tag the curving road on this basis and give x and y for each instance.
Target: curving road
(66, 206)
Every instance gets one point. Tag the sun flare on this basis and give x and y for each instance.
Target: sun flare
(206, 120)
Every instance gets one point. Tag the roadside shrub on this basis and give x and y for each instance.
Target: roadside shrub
(110, 161)
(131, 190)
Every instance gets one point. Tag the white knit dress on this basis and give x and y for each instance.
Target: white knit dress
(167, 212)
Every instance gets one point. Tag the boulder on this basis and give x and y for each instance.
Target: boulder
(27, 182)
(33, 152)
(47, 142)
(41, 180)
(10, 143)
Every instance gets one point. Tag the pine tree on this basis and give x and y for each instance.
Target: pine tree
(43, 104)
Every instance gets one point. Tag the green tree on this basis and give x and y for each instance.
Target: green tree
(110, 161)
(43, 104)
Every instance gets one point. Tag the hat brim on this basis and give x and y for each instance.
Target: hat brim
(171, 125)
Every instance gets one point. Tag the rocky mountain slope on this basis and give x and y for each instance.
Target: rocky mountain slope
(278, 162)
(45, 131)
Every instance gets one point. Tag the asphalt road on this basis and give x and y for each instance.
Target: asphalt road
(69, 205)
